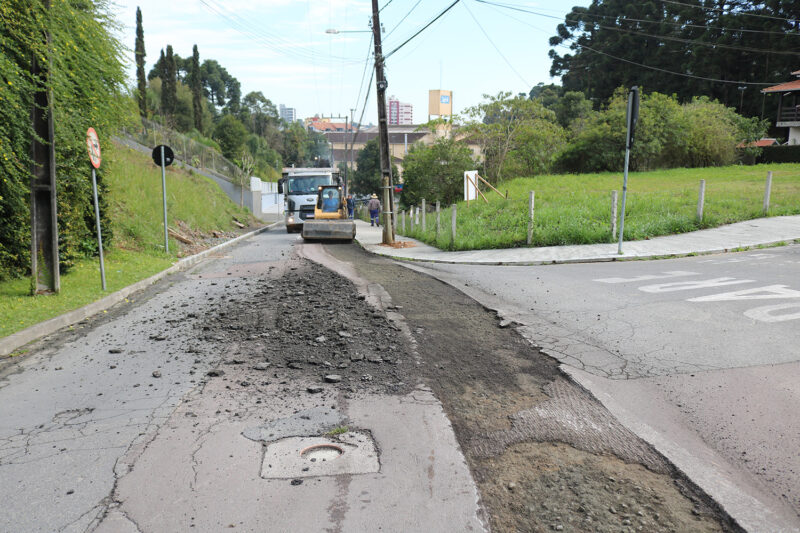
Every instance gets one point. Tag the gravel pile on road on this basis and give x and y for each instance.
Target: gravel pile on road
(311, 323)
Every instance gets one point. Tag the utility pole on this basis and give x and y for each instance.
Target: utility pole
(44, 221)
(383, 129)
(346, 184)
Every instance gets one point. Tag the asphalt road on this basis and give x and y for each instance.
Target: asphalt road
(116, 426)
(700, 352)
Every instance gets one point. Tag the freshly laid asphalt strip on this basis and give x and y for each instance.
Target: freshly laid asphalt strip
(545, 454)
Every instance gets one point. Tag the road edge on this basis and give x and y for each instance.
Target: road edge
(16, 340)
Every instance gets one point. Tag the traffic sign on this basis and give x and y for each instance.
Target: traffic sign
(169, 155)
(93, 146)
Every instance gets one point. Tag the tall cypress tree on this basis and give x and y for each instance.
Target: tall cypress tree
(161, 66)
(169, 86)
(197, 90)
(140, 55)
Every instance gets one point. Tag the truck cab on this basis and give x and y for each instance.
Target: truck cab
(299, 187)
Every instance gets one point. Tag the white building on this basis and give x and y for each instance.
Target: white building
(399, 113)
(288, 114)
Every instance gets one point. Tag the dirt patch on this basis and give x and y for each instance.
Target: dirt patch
(542, 451)
(400, 244)
(199, 241)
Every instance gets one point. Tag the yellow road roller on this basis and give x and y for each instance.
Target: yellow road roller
(330, 220)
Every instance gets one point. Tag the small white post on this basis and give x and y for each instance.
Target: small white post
(613, 213)
(403, 223)
(767, 192)
(453, 224)
(423, 214)
(438, 219)
(701, 199)
(530, 217)
(412, 218)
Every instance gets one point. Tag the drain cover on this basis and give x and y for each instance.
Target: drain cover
(351, 453)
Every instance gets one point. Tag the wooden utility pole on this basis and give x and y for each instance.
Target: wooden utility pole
(44, 220)
(383, 129)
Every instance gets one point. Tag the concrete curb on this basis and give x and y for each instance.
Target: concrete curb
(375, 250)
(21, 338)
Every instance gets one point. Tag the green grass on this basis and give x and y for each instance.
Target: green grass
(135, 202)
(137, 206)
(576, 209)
(18, 309)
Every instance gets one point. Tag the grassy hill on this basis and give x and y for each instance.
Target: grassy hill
(576, 209)
(196, 207)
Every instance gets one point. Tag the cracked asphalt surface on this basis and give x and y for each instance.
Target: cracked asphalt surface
(138, 419)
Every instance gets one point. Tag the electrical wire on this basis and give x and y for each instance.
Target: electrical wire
(629, 19)
(385, 5)
(437, 17)
(720, 10)
(495, 46)
(402, 19)
(674, 73)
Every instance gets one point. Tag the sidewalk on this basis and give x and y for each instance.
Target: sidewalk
(747, 234)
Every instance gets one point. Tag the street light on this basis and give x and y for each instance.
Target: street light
(333, 31)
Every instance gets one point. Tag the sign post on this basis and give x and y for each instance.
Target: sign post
(93, 147)
(632, 117)
(164, 156)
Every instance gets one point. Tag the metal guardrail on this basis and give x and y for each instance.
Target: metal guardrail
(186, 149)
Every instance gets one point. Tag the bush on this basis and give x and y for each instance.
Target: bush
(435, 172)
(780, 154)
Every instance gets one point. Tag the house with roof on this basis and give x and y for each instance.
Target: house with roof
(788, 106)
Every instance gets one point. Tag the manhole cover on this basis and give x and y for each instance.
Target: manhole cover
(353, 452)
(321, 452)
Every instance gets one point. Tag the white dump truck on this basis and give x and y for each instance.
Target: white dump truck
(300, 187)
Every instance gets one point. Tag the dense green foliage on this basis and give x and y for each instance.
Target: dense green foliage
(87, 82)
(518, 136)
(435, 172)
(598, 47)
(140, 54)
(699, 133)
(367, 177)
(780, 154)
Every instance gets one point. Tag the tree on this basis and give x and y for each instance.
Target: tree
(367, 177)
(169, 87)
(197, 90)
(506, 126)
(618, 42)
(572, 109)
(140, 55)
(435, 172)
(259, 113)
(246, 165)
(230, 133)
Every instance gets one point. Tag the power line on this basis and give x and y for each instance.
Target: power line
(667, 71)
(404, 18)
(437, 17)
(367, 63)
(637, 63)
(385, 5)
(495, 46)
(629, 19)
(698, 42)
(720, 10)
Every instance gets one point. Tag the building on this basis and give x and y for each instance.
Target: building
(288, 114)
(788, 106)
(399, 113)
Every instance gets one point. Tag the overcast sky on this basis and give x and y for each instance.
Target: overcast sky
(280, 47)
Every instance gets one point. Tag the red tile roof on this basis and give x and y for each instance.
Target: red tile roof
(759, 143)
(788, 86)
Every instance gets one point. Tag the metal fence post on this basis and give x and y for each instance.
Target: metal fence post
(530, 217)
(701, 199)
(767, 191)
(453, 225)
(438, 219)
(613, 214)
(403, 222)
(423, 215)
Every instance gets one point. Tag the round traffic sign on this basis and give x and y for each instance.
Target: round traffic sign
(93, 146)
(169, 155)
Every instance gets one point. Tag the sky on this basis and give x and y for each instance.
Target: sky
(281, 47)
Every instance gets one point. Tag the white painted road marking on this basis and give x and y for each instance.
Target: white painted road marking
(767, 313)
